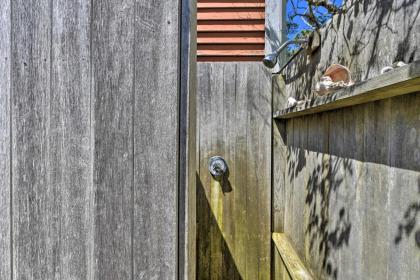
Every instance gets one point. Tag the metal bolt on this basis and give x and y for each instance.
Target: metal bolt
(217, 166)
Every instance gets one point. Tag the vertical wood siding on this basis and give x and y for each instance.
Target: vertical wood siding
(230, 30)
(89, 139)
(234, 229)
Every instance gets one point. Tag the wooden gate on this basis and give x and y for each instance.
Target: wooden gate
(233, 217)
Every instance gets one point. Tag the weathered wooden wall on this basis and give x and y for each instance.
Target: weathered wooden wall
(347, 182)
(233, 218)
(371, 35)
(90, 139)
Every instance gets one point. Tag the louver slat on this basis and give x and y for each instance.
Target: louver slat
(230, 30)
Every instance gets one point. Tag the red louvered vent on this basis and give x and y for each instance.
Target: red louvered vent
(230, 30)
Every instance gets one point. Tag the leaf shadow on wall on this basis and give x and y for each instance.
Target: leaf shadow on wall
(408, 227)
(328, 229)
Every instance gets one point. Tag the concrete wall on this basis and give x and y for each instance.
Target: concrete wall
(95, 163)
(347, 182)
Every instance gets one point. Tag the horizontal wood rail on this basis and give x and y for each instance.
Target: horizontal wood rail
(229, 50)
(230, 4)
(228, 14)
(231, 38)
(230, 25)
(400, 81)
(291, 260)
(227, 58)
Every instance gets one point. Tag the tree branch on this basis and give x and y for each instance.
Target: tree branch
(331, 8)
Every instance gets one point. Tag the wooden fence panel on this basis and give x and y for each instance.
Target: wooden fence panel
(360, 166)
(97, 140)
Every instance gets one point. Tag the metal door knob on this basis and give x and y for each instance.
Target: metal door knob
(217, 166)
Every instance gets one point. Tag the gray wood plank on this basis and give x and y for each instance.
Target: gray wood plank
(203, 140)
(289, 176)
(156, 106)
(5, 156)
(228, 147)
(335, 212)
(112, 119)
(214, 190)
(187, 142)
(375, 197)
(69, 139)
(300, 143)
(241, 192)
(258, 159)
(351, 222)
(34, 205)
(279, 172)
(404, 196)
(316, 198)
(313, 190)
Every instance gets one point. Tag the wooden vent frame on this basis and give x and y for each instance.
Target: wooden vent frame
(229, 30)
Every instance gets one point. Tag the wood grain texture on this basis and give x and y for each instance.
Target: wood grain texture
(187, 143)
(293, 263)
(35, 235)
(376, 150)
(404, 195)
(233, 216)
(95, 173)
(112, 113)
(51, 141)
(5, 135)
(279, 182)
(156, 113)
(69, 139)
